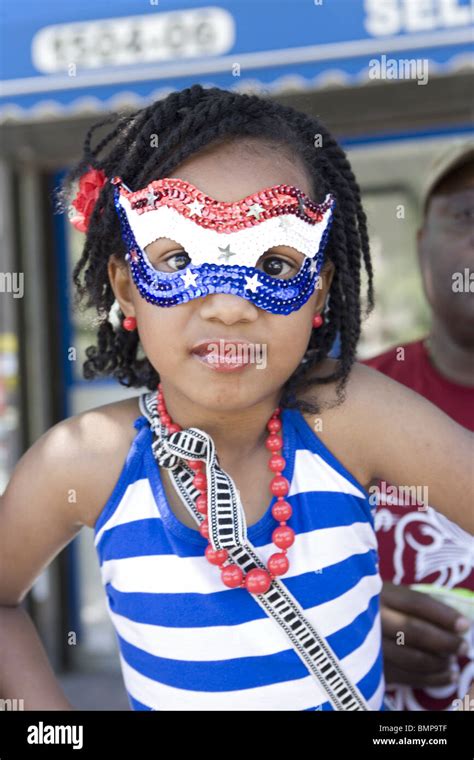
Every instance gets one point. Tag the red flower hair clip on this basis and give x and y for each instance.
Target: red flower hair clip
(90, 185)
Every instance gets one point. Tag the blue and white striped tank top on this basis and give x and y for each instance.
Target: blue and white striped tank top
(187, 642)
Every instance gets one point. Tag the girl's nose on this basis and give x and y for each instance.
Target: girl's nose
(228, 308)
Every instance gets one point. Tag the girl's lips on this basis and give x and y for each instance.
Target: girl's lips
(221, 364)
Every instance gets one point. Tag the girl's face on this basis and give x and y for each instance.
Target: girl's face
(168, 335)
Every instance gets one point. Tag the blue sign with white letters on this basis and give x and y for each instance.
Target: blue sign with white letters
(65, 58)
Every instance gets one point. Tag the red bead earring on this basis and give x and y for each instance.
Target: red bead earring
(317, 320)
(130, 324)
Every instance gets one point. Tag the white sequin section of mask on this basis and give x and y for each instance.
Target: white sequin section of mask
(241, 248)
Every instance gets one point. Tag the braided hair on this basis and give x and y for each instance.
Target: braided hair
(187, 121)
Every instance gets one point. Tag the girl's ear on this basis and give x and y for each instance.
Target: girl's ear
(323, 284)
(121, 283)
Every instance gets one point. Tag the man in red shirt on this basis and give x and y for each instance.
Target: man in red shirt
(426, 665)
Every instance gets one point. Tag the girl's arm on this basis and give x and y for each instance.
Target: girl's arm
(55, 484)
(25, 671)
(407, 441)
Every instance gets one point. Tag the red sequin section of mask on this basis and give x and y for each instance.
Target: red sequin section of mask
(224, 216)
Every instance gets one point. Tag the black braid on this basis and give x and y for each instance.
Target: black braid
(185, 122)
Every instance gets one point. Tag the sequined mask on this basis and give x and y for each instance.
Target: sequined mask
(224, 242)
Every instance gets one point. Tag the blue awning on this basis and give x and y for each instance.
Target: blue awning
(60, 59)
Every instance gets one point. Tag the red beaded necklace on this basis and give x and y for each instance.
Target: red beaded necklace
(256, 581)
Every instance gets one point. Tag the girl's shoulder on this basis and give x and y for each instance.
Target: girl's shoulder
(343, 426)
(103, 438)
(59, 484)
(386, 431)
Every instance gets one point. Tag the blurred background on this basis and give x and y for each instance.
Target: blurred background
(64, 66)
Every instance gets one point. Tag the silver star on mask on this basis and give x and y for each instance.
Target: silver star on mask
(255, 210)
(284, 222)
(151, 198)
(226, 253)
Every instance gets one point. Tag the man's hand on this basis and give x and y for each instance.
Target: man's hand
(422, 638)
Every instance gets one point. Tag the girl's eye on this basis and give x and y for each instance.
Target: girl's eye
(276, 266)
(175, 262)
(180, 259)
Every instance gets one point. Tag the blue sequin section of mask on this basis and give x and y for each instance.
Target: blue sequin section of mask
(275, 295)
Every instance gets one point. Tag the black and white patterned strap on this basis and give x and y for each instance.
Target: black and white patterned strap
(227, 530)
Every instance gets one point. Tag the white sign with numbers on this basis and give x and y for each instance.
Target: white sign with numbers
(151, 38)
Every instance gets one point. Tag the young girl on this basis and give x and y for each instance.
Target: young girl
(229, 501)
